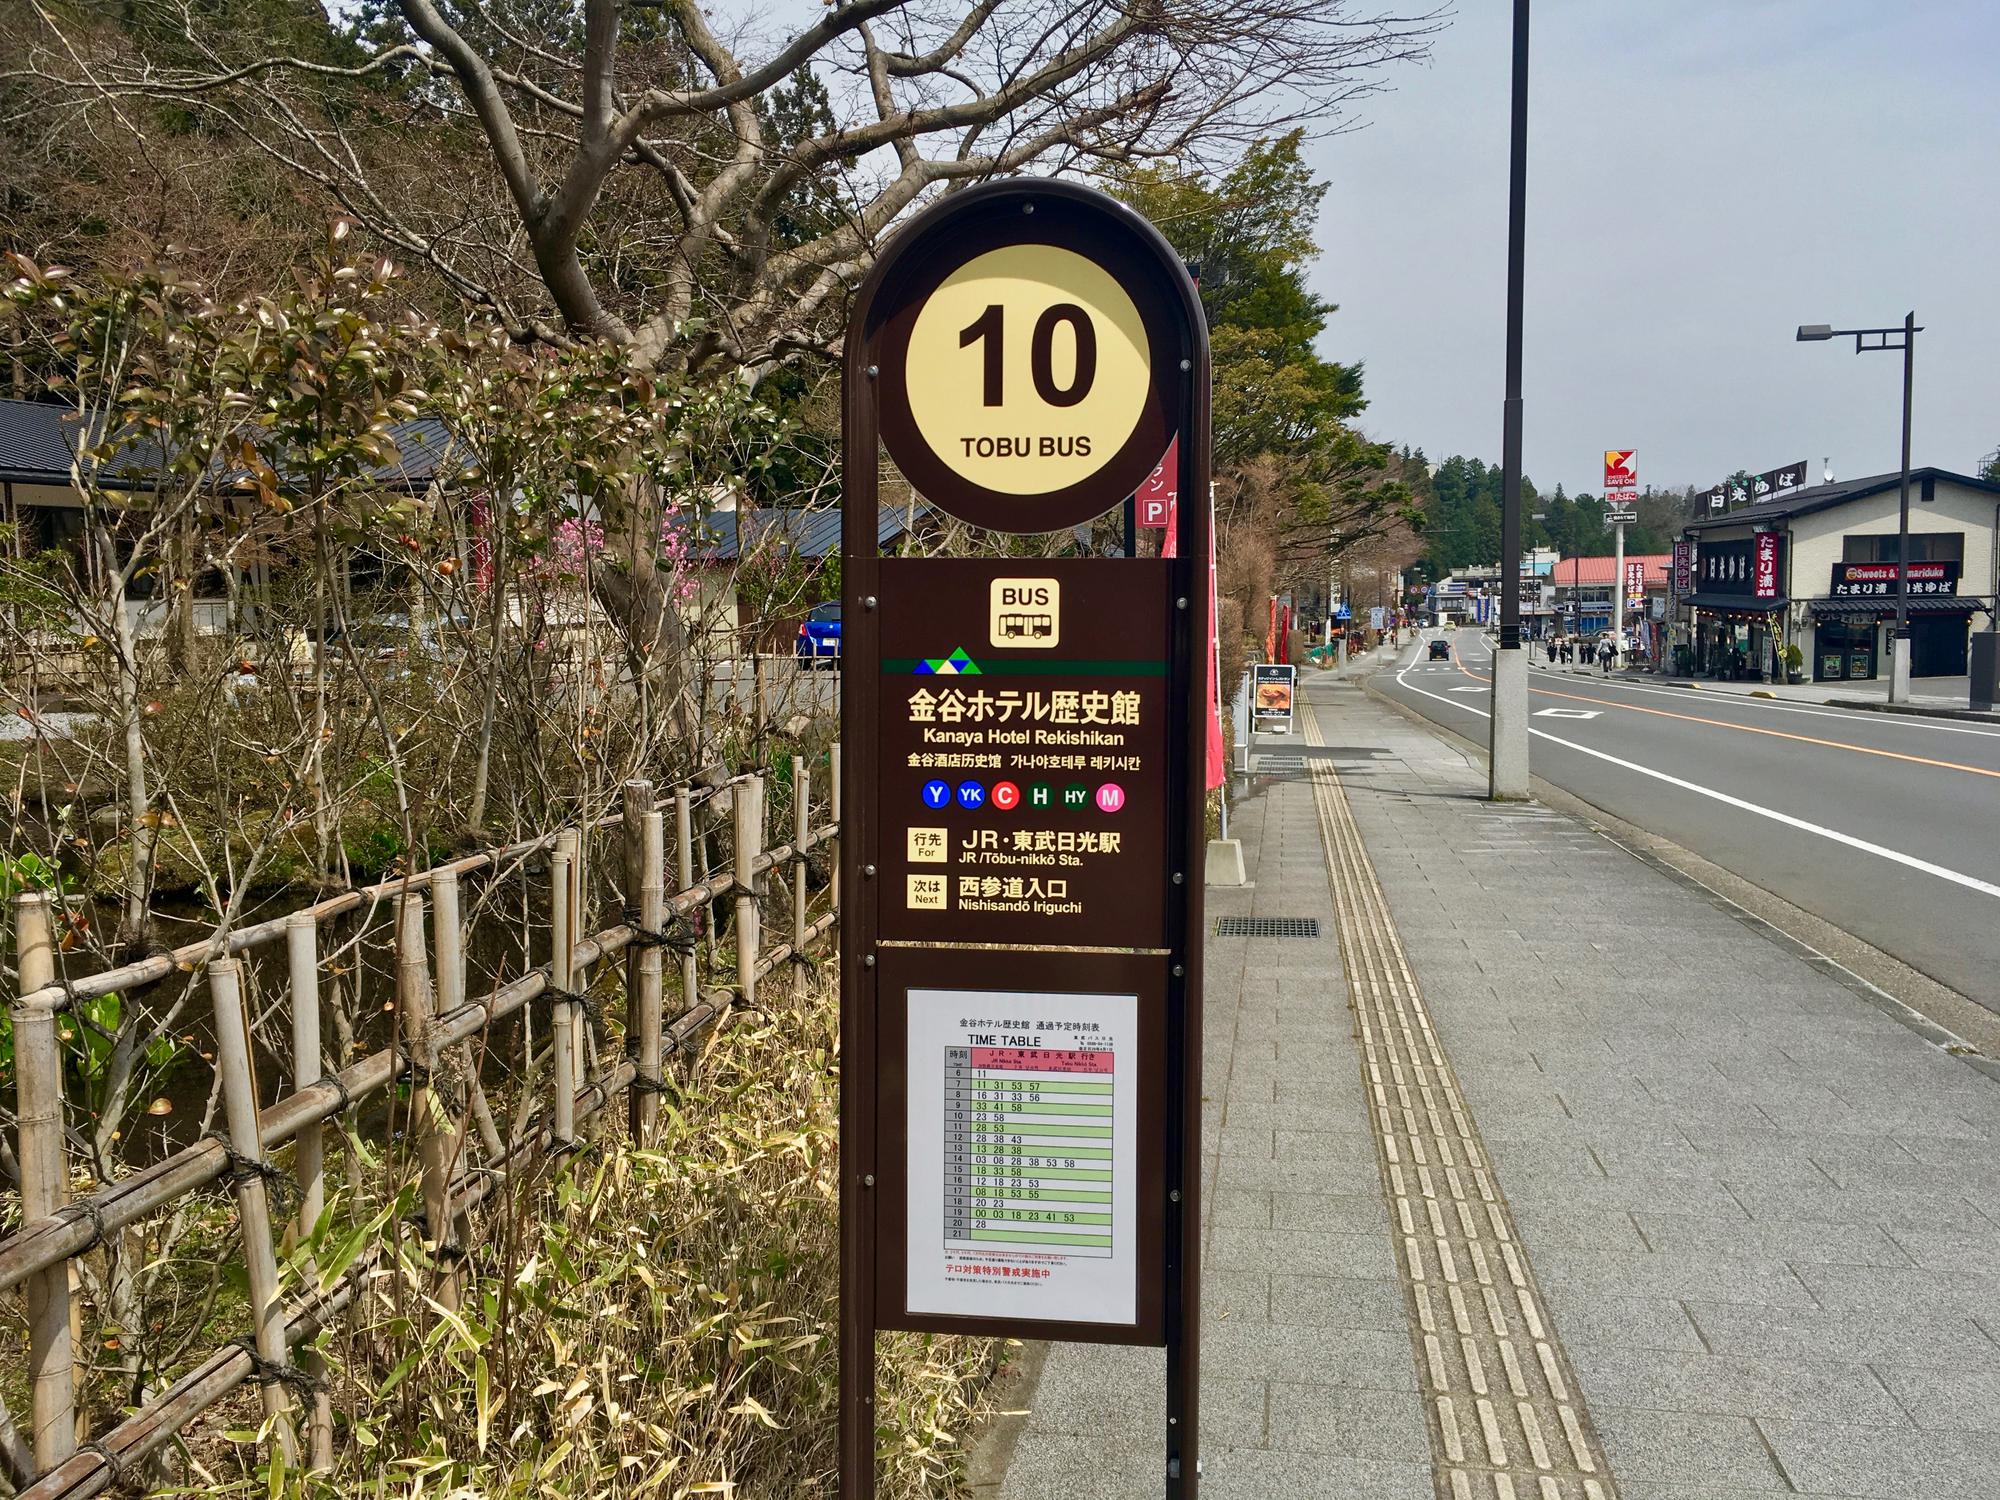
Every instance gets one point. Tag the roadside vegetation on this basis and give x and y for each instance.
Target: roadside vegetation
(407, 358)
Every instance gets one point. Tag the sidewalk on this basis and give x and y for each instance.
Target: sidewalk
(1743, 1232)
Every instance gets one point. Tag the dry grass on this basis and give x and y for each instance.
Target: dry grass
(642, 1322)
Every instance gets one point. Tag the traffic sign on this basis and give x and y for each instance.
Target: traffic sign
(1024, 799)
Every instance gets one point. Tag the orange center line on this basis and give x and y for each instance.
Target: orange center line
(1776, 734)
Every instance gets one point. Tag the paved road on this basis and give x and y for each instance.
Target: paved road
(1887, 827)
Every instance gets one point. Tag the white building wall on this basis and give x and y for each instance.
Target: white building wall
(1817, 538)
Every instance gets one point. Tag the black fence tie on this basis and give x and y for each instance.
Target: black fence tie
(346, 1097)
(582, 1000)
(416, 1074)
(125, 1474)
(644, 1085)
(87, 1208)
(243, 1168)
(680, 934)
(269, 1372)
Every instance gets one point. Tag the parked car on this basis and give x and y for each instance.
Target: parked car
(1440, 649)
(819, 636)
(386, 644)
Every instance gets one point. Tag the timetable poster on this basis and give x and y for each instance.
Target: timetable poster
(1023, 1155)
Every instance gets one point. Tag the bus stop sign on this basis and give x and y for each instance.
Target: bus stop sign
(1023, 795)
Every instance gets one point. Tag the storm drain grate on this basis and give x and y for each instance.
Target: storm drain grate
(1268, 927)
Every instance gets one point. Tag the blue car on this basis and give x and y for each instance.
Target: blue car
(819, 636)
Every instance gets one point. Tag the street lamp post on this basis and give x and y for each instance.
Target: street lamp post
(1507, 758)
(1876, 341)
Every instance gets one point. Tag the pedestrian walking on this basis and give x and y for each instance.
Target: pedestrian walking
(1607, 650)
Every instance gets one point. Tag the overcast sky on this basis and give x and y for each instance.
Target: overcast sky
(1703, 176)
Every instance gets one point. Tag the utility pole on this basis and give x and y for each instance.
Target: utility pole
(1507, 751)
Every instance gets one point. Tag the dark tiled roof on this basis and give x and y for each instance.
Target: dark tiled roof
(37, 438)
(727, 534)
(1822, 496)
(35, 442)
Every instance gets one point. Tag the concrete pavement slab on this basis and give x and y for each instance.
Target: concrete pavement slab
(1829, 1458)
(1753, 1206)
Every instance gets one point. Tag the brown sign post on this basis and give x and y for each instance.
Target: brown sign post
(1024, 785)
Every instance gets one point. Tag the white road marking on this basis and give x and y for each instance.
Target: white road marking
(1846, 715)
(1468, 690)
(1566, 713)
(1894, 856)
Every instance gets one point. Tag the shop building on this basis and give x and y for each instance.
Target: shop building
(1816, 569)
(1583, 589)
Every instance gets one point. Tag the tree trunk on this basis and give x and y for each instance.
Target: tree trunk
(136, 931)
(634, 593)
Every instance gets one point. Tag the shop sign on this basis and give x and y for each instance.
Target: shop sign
(1767, 565)
(1878, 580)
(1780, 482)
(1024, 797)
(1154, 502)
(1635, 583)
(1732, 567)
(1273, 686)
(1683, 566)
(1620, 470)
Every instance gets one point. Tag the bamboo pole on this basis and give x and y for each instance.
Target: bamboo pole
(637, 800)
(684, 879)
(238, 1069)
(430, 1123)
(448, 937)
(52, 996)
(650, 988)
(562, 948)
(309, 1148)
(801, 836)
(749, 823)
(38, 1105)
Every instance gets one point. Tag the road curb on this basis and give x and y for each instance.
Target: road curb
(1915, 710)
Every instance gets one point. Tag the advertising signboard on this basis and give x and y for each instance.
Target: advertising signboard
(1779, 482)
(1155, 498)
(1023, 788)
(1878, 580)
(1766, 574)
(1621, 472)
(1272, 688)
(1635, 583)
(1683, 567)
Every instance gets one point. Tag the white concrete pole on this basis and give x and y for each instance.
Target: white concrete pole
(1618, 588)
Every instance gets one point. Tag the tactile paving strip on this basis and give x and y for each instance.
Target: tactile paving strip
(1506, 1422)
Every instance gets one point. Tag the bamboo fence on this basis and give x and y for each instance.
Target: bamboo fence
(436, 1025)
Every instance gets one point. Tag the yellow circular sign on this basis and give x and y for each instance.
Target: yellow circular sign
(1029, 369)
